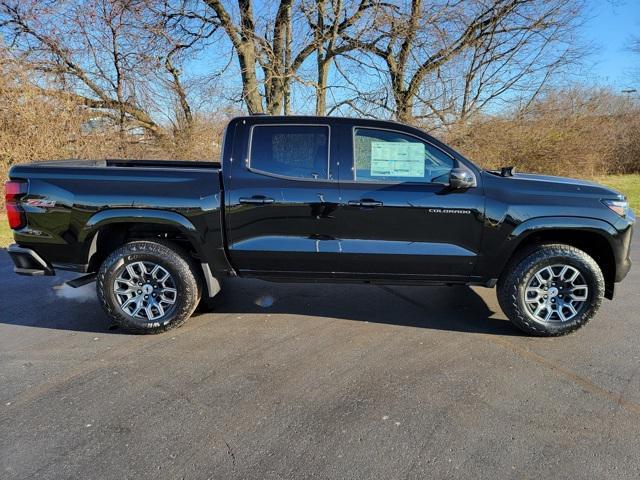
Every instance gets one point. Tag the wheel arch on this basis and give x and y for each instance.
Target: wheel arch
(589, 235)
(108, 229)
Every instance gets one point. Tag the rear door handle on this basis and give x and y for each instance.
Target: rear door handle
(256, 200)
(365, 203)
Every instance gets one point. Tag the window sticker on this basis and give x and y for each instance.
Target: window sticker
(395, 159)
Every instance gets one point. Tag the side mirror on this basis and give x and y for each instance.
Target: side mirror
(461, 178)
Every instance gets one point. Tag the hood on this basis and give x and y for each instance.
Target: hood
(533, 181)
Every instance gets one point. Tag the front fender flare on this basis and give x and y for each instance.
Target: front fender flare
(560, 223)
(496, 262)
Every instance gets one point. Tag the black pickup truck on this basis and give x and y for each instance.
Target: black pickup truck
(323, 200)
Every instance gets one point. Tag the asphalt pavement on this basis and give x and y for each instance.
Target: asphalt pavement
(315, 381)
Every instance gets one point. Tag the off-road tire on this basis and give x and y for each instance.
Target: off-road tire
(513, 281)
(171, 257)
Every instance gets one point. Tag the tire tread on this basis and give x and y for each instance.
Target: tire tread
(180, 261)
(508, 284)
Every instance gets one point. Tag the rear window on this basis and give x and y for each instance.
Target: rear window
(298, 151)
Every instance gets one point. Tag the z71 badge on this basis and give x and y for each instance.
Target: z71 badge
(40, 202)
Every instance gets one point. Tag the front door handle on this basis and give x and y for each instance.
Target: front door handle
(365, 203)
(256, 200)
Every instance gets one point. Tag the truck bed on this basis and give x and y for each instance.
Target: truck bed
(121, 162)
(68, 202)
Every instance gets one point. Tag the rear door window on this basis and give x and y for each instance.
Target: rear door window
(295, 151)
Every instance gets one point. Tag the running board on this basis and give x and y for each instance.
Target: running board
(83, 280)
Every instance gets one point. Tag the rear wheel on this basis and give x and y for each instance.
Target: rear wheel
(148, 286)
(551, 290)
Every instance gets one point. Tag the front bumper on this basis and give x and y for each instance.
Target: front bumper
(623, 257)
(28, 262)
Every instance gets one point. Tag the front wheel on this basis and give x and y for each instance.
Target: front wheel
(552, 290)
(148, 286)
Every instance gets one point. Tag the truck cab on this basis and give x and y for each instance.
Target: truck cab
(348, 198)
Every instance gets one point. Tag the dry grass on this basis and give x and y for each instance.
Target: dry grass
(37, 125)
(582, 133)
(573, 133)
(6, 237)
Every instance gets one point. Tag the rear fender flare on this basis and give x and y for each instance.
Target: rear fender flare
(138, 215)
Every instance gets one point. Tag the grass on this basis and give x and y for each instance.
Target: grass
(627, 184)
(6, 237)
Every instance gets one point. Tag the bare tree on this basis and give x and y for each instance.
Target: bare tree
(86, 48)
(273, 46)
(435, 61)
(333, 23)
(173, 33)
(493, 43)
(251, 52)
(122, 59)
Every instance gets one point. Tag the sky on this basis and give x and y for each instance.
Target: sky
(609, 27)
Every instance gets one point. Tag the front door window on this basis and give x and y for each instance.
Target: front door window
(393, 157)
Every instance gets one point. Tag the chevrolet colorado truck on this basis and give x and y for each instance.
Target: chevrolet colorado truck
(325, 200)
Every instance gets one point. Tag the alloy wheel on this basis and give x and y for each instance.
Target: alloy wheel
(145, 290)
(556, 293)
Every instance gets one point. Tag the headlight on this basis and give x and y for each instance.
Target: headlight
(618, 206)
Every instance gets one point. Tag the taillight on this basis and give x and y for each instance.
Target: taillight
(13, 190)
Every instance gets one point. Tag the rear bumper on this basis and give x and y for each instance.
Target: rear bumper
(28, 262)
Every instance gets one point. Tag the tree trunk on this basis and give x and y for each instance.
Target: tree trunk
(321, 87)
(250, 88)
(404, 107)
(288, 39)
